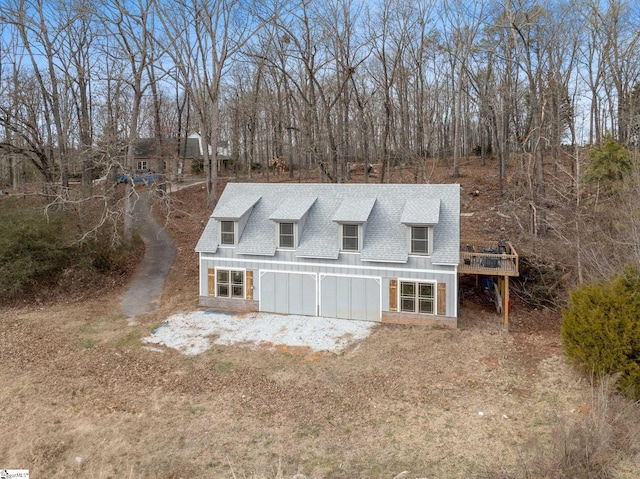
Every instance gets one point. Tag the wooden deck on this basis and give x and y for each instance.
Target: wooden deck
(489, 259)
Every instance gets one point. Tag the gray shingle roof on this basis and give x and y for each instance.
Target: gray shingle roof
(208, 241)
(354, 210)
(424, 211)
(259, 235)
(385, 237)
(190, 148)
(234, 207)
(293, 210)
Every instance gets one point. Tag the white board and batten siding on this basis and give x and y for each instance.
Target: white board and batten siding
(358, 292)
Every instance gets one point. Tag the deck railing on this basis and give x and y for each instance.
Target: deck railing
(483, 257)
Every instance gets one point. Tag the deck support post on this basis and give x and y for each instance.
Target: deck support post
(505, 306)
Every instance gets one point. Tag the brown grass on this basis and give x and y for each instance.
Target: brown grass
(82, 397)
(602, 442)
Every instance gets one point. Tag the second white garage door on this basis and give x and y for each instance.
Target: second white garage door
(350, 297)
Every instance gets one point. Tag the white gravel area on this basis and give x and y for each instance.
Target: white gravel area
(193, 333)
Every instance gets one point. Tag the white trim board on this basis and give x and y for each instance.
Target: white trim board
(260, 263)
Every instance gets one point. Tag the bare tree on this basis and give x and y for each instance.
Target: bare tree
(42, 39)
(203, 36)
(462, 22)
(390, 36)
(132, 30)
(619, 26)
(81, 31)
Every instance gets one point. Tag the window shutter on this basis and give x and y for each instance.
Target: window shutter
(442, 298)
(249, 285)
(212, 282)
(393, 295)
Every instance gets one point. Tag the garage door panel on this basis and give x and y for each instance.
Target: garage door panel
(308, 296)
(282, 293)
(374, 300)
(288, 293)
(267, 292)
(294, 293)
(359, 298)
(328, 290)
(343, 297)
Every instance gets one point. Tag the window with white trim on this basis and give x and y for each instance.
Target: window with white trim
(420, 240)
(416, 297)
(230, 283)
(227, 233)
(142, 165)
(286, 235)
(350, 237)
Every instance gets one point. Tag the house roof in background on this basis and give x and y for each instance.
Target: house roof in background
(385, 238)
(190, 148)
(146, 148)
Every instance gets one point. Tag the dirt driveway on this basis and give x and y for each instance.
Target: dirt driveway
(143, 294)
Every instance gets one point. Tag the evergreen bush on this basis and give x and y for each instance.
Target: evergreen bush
(601, 329)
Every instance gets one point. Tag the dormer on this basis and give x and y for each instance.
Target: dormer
(420, 216)
(232, 217)
(351, 217)
(289, 221)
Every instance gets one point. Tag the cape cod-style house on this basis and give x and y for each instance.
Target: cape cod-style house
(378, 252)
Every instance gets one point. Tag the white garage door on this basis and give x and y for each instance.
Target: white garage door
(350, 297)
(288, 293)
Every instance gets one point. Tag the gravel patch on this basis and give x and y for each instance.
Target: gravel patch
(195, 332)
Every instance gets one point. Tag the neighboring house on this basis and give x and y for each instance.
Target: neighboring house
(152, 156)
(149, 154)
(192, 148)
(377, 252)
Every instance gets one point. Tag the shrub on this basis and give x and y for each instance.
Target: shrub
(197, 166)
(601, 329)
(609, 163)
(43, 256)
(540, 281)
(31, 249)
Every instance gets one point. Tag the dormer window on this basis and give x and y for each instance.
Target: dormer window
(232, 217)
(420, 216)
(352, 216)
(227, 233)
(286, 235)
(289, 219)
(420, 240)
(350, 237)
